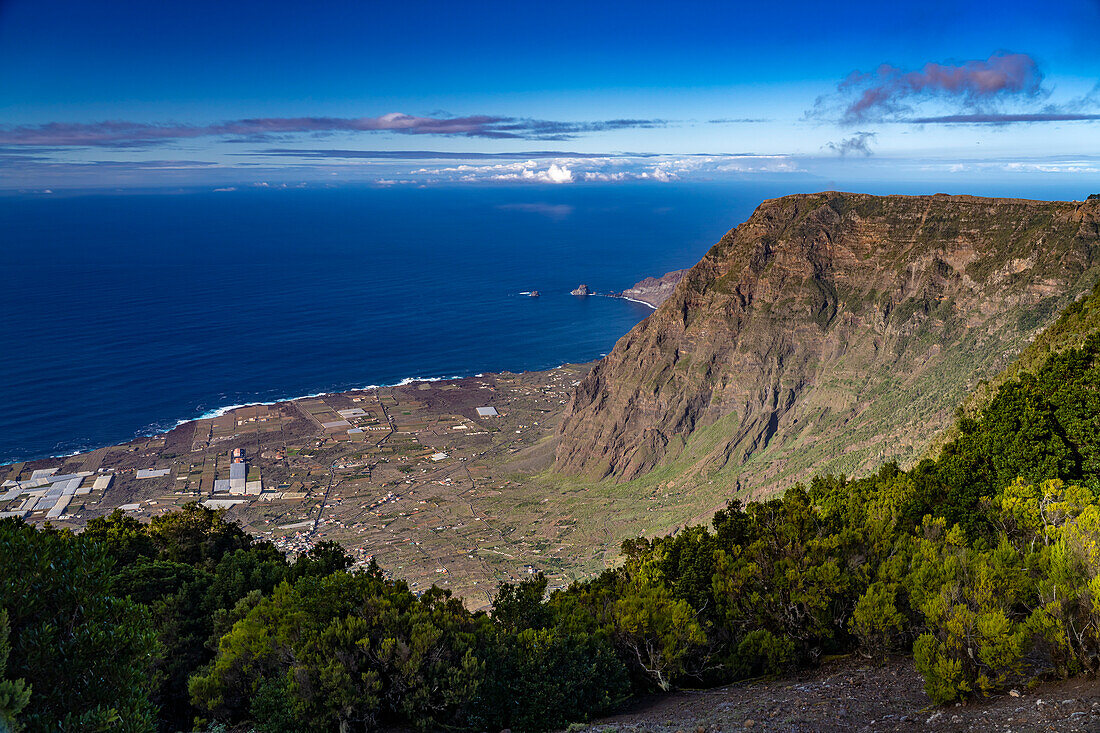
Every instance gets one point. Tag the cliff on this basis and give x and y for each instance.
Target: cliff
(829, 332)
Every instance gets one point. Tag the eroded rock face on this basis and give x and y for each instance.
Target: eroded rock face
(829, 332)
(654, 290)
(581, 290)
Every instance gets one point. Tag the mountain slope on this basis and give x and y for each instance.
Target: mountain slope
(1075, 324)
(829, 332)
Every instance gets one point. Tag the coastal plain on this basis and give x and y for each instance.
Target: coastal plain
(433, 479)
(440, 481)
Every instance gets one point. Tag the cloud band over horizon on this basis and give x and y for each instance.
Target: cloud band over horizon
(117, 133)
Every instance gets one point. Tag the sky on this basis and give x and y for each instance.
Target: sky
(133, 95)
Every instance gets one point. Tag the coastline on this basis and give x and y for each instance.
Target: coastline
(163, 427)
(634, 300)
(217, 412)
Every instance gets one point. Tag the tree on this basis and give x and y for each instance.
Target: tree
(543, 679)
(324, 558)
(350, 650)
(85, 654)
(126, 539)
(520, 606)
(196, 535)
(658, 631)
(14, 694)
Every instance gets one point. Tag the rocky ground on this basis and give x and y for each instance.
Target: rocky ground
(852, 694)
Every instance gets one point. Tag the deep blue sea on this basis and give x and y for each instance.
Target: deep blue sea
(125, 313)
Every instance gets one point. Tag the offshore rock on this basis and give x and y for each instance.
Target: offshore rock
(581, 289)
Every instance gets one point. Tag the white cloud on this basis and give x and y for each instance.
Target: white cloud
(1053, 167)
(610, 169)
(559, 174)
(663, 174)
(1041, 165)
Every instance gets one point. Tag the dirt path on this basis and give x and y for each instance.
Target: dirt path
(854, 695)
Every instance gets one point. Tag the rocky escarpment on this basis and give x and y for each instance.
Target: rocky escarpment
(829, 332)
(654, 290)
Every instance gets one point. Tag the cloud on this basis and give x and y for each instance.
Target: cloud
(1067, 164)
(122, 134)
(25, 168)
(34, 161)
(987, 118)
(858, 144)
(526, 171)
(316, 153)
(13, 160)
(1052, 167)
(611, 168)
(559, 174)
(972, 86)
(556, 212)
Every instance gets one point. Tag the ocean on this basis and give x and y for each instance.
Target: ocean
(125, 313)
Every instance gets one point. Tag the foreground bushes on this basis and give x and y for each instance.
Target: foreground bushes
(1024, 609)
(81, 653)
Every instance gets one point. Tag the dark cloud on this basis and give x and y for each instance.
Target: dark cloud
(120, 134)
(972, 86)
(20, 161)
(9, 159)
(858, 144)
(982, 118)
(150, 164)
(315, 153)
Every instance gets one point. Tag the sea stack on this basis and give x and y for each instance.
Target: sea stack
(581, 289)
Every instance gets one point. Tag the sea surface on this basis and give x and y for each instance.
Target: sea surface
(125, 313)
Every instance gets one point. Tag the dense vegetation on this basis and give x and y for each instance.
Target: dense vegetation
(983, 563)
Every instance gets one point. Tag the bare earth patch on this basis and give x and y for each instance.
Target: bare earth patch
(852, 694)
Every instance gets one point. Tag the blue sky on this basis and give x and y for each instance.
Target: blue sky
(129, 94)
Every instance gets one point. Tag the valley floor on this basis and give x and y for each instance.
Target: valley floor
(853, 694)
(411, 475)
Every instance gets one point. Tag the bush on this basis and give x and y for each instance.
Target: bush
(876, 622)
(86, 656)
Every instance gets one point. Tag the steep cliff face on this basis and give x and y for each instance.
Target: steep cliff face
(829, 332)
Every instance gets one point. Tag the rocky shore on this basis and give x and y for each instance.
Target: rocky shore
(653, 290)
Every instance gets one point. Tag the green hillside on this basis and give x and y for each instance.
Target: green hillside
(1076, 323)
